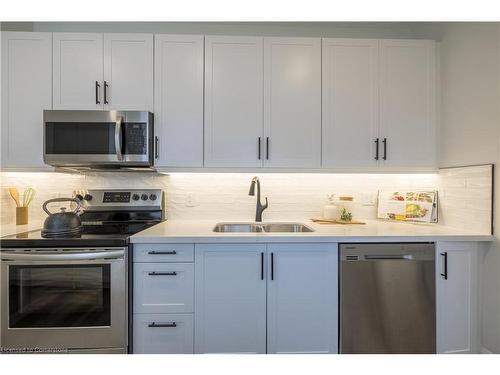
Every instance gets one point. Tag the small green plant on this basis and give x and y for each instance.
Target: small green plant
(345, 215)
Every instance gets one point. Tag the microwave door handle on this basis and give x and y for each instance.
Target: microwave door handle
(118, 138)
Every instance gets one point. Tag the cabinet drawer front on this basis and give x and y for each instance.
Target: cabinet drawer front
(163, 333)
(164, 252)
(163, 288)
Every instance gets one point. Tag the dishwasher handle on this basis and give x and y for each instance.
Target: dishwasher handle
(389, 257)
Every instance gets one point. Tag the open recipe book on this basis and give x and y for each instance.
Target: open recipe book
(408, 205)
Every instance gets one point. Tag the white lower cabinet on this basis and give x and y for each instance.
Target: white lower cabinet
(302, 298)
(163, 333)
(230, 299)
(232, 306)
(163, 287)
(457, 297)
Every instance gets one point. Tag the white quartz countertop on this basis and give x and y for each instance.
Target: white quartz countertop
(11, 229)
(201, 231)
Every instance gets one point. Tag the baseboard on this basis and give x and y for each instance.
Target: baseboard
(483, 350)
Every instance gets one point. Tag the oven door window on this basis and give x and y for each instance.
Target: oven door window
(43, 296)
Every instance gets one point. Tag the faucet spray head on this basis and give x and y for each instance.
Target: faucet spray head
(252, 188)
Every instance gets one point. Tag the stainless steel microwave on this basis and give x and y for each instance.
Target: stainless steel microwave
(98, 138)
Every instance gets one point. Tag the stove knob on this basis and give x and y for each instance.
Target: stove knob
(87, 197)
(135, 197)
(79, 197)
(152, 197)
(144, 197)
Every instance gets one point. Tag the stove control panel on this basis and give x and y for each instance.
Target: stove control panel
(119, 198)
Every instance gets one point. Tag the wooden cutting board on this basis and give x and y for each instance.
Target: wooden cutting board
(320, 220)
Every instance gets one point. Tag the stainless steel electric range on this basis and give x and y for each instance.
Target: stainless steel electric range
(71, 294)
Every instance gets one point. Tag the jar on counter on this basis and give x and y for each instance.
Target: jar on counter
(345, 206)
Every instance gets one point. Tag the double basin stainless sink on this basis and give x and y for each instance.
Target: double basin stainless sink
(261, 228)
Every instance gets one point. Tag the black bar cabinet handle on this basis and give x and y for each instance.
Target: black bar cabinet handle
(105, 92)
(267, 148)
(445, 256)
(162, 252)
(272, 266)
(157, 147)
(162, 325)
(385, 149)
(259, 141)
(376, 148)
(262, 266)
(97, 86)
(162, 273)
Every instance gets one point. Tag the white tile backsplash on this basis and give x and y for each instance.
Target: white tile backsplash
(224, 196)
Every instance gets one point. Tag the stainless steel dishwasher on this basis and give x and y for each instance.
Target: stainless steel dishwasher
(387, 298)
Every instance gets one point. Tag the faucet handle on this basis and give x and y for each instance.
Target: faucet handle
(266, 205)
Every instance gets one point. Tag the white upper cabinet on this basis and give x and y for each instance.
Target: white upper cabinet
(103, 71)
(128, 72)
(350, 102)
(457, 297)
(407, 103)
(26, 92)
(178, 100)
(302, 292)
(292, 102)
(233, 101)
(77, 71)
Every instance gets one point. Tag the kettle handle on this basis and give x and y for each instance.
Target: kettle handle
(78, 205)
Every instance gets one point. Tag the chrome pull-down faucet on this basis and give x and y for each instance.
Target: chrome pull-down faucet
(260, 206)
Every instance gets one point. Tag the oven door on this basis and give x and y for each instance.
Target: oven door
(71, 299)
(98, 138)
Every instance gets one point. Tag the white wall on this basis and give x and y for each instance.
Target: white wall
(395, 30)
(469, 134)
(469, 122)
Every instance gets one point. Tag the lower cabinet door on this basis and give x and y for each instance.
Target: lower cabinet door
(302, 298)
(230, 298)
(163, 333)
(457, 297)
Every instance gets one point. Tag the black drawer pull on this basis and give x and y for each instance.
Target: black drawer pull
(162, 325)
(162, 273)
(445, 274)
(162, 252)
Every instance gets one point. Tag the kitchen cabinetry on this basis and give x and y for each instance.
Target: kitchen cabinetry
(457, 297)
(301, 308)
(407, 103)
(302, 287)
(292, 102)
(163, 298)
(230, 298)
(178, 100)
(26, 92)
(103, 71)
(233, 101)
(350, 102)
(379, 104)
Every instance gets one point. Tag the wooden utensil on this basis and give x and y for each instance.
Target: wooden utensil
(29, 193)
(15, 195)
(335, 221)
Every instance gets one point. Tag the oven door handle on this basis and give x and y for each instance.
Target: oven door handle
(114, 254)
(118, 138)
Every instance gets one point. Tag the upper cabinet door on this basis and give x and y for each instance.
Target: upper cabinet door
(350, 103)
(292, 102)
(128, 72)
(407, 103)
(233, 101)
(77, 71)
(26, 92)
(179, 100)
